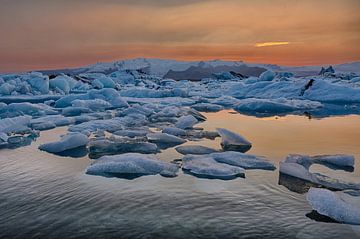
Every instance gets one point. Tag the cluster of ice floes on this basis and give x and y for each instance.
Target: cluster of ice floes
(298, 166)
(337, 206)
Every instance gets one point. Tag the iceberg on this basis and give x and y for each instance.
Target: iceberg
(275, 105)
(74, 111)
(174, 131)
(186, 122)
(231, 141)
(94, 105)
(267, 76)
(205, 166)
(67, 142)
(298, 166)
(163, 138)
(131, 165)
(15, 124)
(246, 161)
(18, 109)
(336, 205)
(102, 147)
(207, 107)
(195, 149)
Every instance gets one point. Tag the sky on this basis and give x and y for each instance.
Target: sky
(43, 34)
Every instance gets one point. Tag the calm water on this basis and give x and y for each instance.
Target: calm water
(47, 196)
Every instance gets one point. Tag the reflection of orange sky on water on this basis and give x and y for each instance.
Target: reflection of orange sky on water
(52, 34)
(278, 137)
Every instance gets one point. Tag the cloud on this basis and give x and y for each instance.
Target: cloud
(276, 43)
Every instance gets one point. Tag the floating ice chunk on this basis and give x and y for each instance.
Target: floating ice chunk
(267, 76)
(132, 133)
(226, 101)
(106, 82)
(38, 82)
(6, 89)
(186, 122)
(231, 141)
(206, 166)
(298, 166)
(95, 105)
(246, 161)
(67, 142)
(108, 147)
(131, 165)
(195, 149)
(108, 94)
(275, 105)
(60, 82)
(74, 111)
(341, 160)
(355, 79)
(207, 107)
(110, 125)
(174, 131)
(163, 138)
(17, 109)
(324, 91)
(52, 121)
(338, 206)
(13, 125)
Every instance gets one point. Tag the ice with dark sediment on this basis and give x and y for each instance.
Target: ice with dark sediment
(231, 141)
(131, 165)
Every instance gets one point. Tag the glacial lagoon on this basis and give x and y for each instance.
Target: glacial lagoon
(45, 195)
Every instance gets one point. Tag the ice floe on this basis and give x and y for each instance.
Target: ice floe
(67, 142)
(195, 149)
(131, 165)
(298, 166)
(339, 206)
(231, 141)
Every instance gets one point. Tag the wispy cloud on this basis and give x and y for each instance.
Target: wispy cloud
(276, 43)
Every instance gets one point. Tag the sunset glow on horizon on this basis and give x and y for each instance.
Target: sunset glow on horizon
(272, 44)
(41, 34)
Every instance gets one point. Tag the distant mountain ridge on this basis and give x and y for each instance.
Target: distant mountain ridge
(196, 69)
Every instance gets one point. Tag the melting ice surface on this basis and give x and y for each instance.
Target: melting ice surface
(46, 192)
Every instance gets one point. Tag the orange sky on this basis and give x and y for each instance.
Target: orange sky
(42, 34)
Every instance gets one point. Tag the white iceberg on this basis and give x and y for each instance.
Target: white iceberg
(231, 141)
(336, 205)
(131, 164)
(67, 142)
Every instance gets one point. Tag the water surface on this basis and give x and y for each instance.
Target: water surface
(48, 196)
